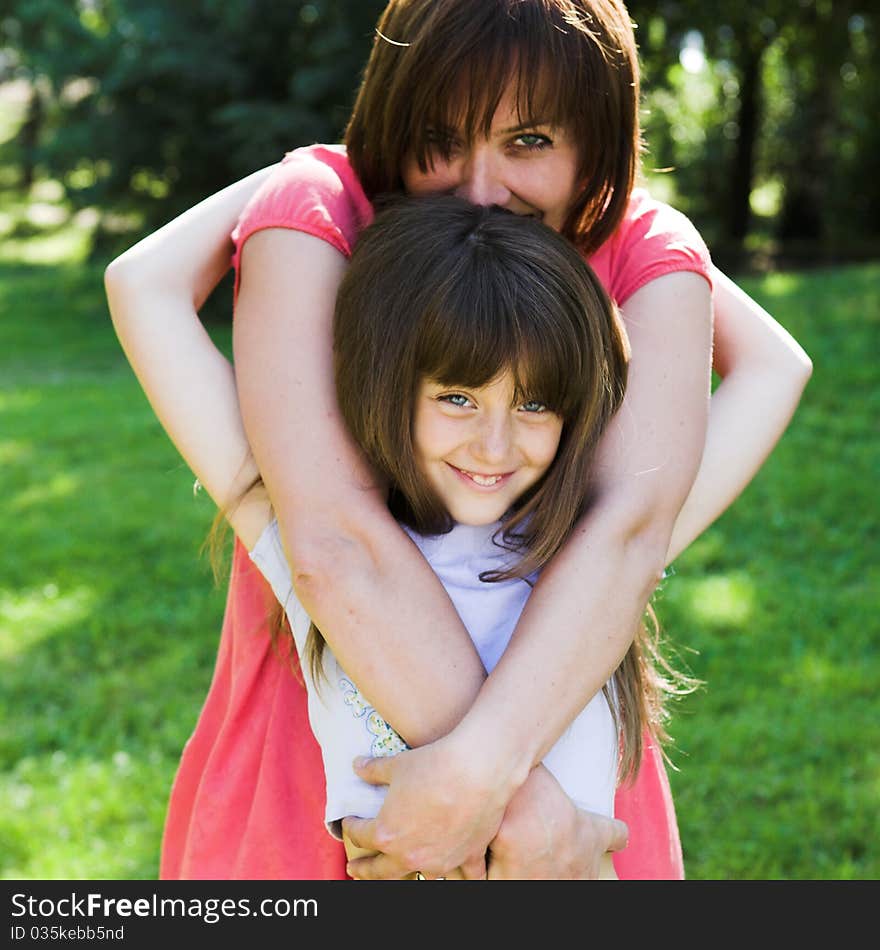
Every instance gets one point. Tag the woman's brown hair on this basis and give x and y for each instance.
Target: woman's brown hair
(436, 65)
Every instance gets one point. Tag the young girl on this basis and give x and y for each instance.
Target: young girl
(450, 327)
(532, 105)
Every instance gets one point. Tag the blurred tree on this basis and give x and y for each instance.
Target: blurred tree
(160, 103)
(141, 107)
(795, 91)
(828, 141)
(737, 36)
(44, 43)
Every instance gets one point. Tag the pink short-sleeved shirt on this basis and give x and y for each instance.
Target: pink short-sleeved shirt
(248, 798)
(315, 191)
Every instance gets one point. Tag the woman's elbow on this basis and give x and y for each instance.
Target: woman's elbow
(640, 529)
(122, 283)
(321, 562)
(792, 376)
(330, 555)
(118, 289)
(804, 368)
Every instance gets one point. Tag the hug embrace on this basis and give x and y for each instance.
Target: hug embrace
(469, 423)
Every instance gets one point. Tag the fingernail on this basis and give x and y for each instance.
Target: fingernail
(360, 761)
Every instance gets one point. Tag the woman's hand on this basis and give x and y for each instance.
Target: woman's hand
(441, 811)
(544, 836)
(393, 871)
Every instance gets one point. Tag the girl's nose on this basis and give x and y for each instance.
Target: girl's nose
(481, 180)
(491, 445)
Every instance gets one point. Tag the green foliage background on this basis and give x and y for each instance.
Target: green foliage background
(109, 621)
(108, 618)
(765, 110)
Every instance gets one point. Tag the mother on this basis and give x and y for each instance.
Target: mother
(532, 105)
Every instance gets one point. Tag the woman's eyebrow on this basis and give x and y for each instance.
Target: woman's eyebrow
(442, 128)
(530, 124)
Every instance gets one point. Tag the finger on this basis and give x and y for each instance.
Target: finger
(376, 771)
(361, 832)
(380, 867)
(619, 835)
(474, 869)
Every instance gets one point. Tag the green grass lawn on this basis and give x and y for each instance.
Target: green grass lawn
(109, 621)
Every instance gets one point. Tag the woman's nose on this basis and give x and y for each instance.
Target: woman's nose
(481, 181)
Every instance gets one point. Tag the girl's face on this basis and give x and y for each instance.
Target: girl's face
(479, 449)
(524, 165)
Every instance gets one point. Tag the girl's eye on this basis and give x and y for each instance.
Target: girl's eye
(533, 406)
(456, 399)
(532, 141)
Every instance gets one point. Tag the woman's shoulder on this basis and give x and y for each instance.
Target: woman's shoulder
(652, 239)
(646, 215)
(325, 168)
(314, 189)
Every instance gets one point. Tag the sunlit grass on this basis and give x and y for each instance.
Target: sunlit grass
(102, 679)
(779, 752)
(109, 622)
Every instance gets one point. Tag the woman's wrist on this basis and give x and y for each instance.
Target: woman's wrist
(501, 760)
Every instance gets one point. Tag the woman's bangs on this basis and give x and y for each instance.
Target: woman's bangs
(461, 83)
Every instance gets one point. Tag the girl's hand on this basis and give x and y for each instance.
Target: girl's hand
(544, 836)
(439, 815)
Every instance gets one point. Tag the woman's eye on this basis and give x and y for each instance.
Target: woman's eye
(533, 406)
(441, 142)
(533, 141)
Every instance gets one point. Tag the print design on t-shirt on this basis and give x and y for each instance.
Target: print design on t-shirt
(385, 740)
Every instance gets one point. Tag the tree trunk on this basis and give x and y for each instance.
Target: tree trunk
(748, 120)
(29, 136)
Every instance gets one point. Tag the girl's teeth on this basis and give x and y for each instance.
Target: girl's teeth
(484, 479)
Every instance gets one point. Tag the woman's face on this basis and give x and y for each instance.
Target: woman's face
(524, 165)
(479, 449)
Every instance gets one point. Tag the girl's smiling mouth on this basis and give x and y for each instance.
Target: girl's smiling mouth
(482, 481)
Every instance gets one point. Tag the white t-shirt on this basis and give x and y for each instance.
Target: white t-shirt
(584, 760)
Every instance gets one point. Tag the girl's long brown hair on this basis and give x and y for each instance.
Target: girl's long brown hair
(458, 293)
(443, 289)
(571, 63)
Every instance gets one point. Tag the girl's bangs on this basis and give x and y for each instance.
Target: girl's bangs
(471, 342)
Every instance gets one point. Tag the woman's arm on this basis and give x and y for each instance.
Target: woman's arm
(648, 461)
(763, 373)
(192, 295)
(584, 610)
(587, 604)
(375, 599)
(154, 291)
